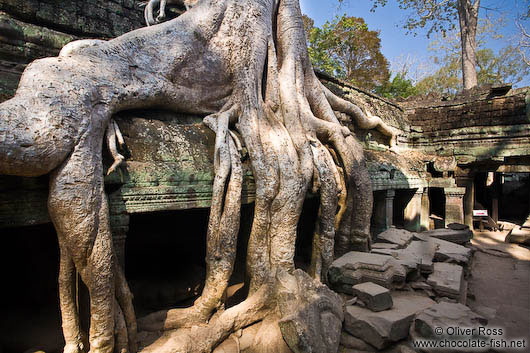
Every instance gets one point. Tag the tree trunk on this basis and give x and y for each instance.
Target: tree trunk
(468, 18)
(244, 64)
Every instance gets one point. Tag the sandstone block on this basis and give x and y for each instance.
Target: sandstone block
(421, 252)
(447, 251)
(400, 237)
(384, 246)
(457, 236)
(447, 280)
(382, 328)
(375, 297)
(447, 317)
(359, 267)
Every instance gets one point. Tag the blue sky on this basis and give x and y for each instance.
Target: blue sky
(394, 40)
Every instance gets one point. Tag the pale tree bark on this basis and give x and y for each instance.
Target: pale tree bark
(244, 65)
(468, 20)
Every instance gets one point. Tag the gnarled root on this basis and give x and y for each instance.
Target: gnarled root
(205, 338)
(305, 313)
(292, 136)
(223, 227)
(323, 239)
(366, 121)
(113, 135)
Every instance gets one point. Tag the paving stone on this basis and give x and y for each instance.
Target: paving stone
(487, 312)
(374, 296)
(447, 280)
(457, 236)
(359, 267)
(382, 328)
(448, 317)
(400, 237)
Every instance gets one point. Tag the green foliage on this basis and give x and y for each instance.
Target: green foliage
(504, 66)
(347, 49)
(399, 87)
(440, 15)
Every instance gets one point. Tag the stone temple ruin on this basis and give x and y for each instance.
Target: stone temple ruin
(453, 156)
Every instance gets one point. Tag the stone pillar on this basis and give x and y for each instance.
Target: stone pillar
(383, 210)
(454, 205)
(425, 210)
(469, 198)
(412, 212)
(496, 195)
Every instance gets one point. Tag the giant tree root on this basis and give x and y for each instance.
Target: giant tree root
(293, 138)
(295, 311)
(244, 64)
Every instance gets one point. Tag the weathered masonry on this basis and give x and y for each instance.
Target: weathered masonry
(451, 156)
(443, 147)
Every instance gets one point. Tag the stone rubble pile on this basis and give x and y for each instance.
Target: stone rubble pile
(409, 284)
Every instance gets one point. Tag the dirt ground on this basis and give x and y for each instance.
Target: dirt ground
(500, 285)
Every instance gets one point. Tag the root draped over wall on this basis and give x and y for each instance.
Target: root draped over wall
(244, 64)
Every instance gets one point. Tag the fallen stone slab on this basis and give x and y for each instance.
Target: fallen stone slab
(457, 226)
(400, 237)
(447, 280)
(374, 296)
(519, 235)
(420, 285)
(417, 255)
(422, 252)
(447, 251)
(457, 236)
(384, 246)
(380, 329)
(383, 251)
(359, 267)
(448, 321)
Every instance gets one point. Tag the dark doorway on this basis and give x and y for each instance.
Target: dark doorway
(436, 208)
(29, 310)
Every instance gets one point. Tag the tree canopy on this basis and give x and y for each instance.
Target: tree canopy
(441, 16)
(503, 66)
(347, 49)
